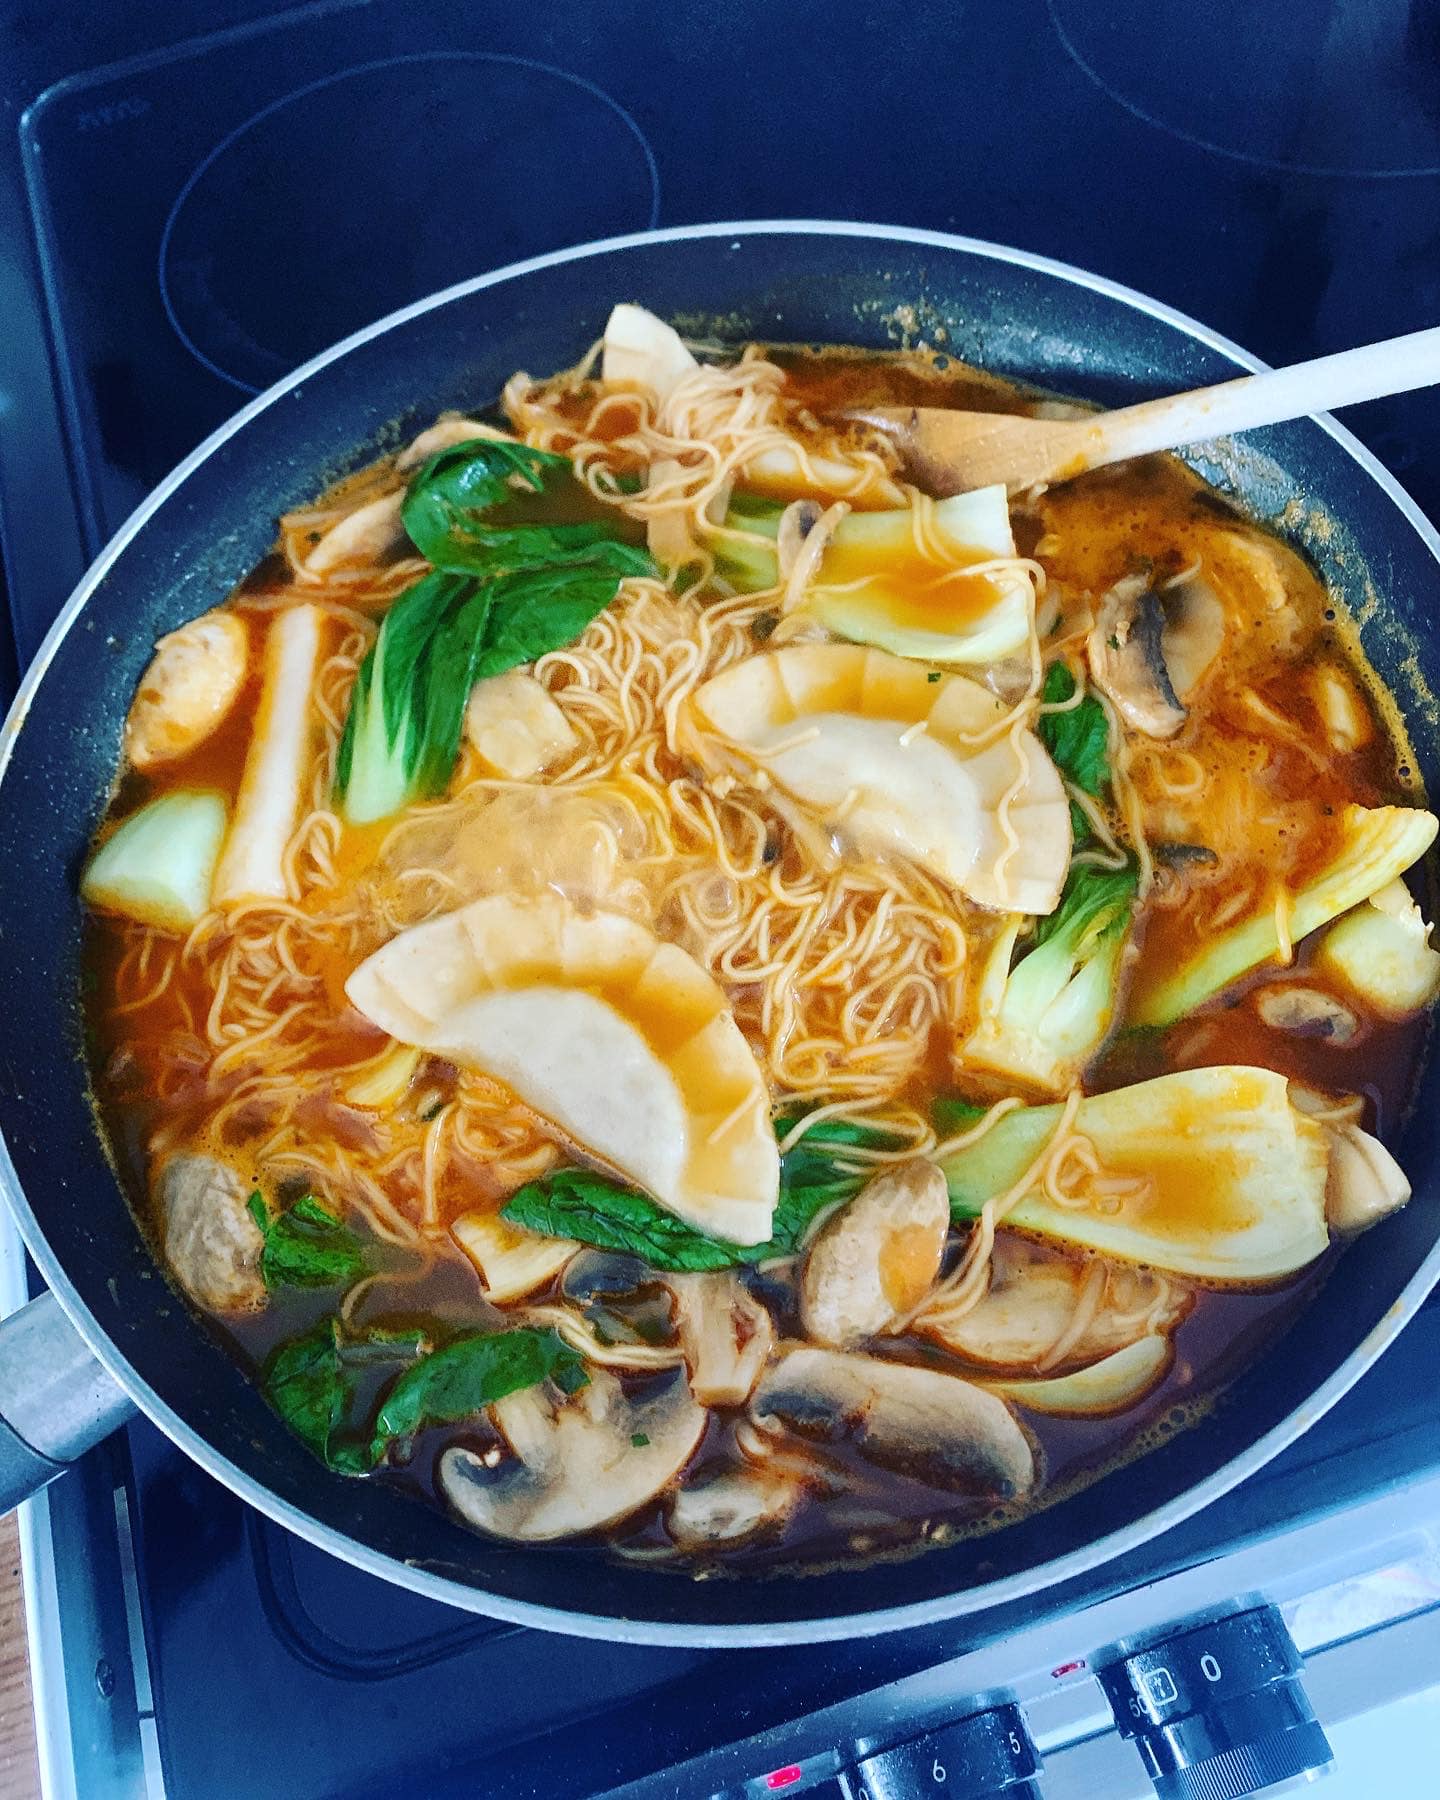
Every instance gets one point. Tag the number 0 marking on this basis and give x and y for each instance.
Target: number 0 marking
(1209, 1668)
(937, 1770)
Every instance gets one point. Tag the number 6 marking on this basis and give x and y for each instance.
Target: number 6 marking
(937, 1770)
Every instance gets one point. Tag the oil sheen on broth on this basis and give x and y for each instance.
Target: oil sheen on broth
(661, 987)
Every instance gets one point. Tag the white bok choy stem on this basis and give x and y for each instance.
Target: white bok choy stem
(1206, 1173)
(267, 808)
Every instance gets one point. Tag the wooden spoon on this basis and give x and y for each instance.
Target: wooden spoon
(949, 452)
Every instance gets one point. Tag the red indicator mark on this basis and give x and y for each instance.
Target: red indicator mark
(783, 1778)
(1067, 1669)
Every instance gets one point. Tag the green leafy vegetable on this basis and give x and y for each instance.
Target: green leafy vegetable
(1042, 1020)
(951, 1115)
(1230, 1177)
(814, 1174)
(573, 1203)
(467, 1375)
(309, 1384)
(469, 496)
(504, 590)
(306, 1246)
(1078, 742)
(313, 1382)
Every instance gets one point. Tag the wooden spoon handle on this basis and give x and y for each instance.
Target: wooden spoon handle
(1367, 373)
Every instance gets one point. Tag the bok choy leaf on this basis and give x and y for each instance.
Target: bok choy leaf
(1078, 742)
(505, 588)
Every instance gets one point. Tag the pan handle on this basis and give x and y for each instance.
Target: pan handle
(56, 1401)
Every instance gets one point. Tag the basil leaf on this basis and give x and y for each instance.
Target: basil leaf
(308, 1384)
(467, 1375)
(814, 1174)
(573, 1203)
(1078, 742)
(313, 1382)
(306, 1246)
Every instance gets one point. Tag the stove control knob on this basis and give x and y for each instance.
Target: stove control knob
(985, 1756)
(1217, 1712)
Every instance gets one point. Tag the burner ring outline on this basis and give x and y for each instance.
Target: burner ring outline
(1325, 171)
(500, 58)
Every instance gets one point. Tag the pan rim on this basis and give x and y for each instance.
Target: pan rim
(613, 1626)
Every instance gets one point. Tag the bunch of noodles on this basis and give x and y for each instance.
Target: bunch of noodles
(843, 972)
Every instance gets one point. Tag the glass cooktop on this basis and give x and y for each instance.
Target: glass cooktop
(182, 223)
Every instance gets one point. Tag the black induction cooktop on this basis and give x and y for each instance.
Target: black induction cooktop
(181, 222)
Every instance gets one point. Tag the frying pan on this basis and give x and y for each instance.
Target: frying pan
(112, 1333)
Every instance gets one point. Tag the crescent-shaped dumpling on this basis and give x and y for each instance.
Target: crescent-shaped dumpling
(620, 1040)
(895, 756)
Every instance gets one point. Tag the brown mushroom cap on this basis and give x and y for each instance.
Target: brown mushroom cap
(916, 1422)
(1127, 658)
(578, 1464)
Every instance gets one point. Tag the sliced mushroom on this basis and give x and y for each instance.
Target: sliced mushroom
(726, 1333)
(445, 434)
(797, 521)
(915, 1422)
(371, 531)
(876, 1260)
(1306, 1012)
(1365, 1181)
(211, 1242)
(1031, 1305)
(624, 1299)
(578, 1464)
(1126, 649)
(1194, 634)
(732, 1508)
(191, 684)
(1111, 1385)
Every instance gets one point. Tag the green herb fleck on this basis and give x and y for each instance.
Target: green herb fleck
(639, 1440)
